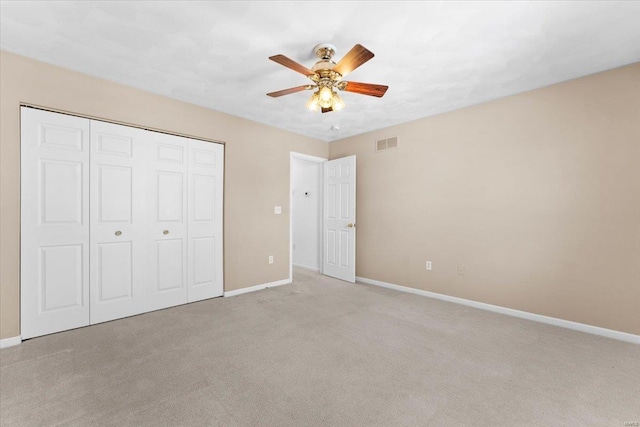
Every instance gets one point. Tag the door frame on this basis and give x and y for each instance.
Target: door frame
(319, 160)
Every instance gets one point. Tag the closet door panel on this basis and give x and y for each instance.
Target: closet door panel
(54, 250)
(204, 251)
(61, 277)
(61, 190)
(170, 259)
(206, 173)
(115, 271)
(115, 194)
(118, 187)
(166, 234)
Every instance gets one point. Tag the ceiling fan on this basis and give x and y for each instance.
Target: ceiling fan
(327, 77)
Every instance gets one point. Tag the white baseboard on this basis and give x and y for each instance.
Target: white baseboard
(307, 267)
(595, 330)
(10, 342)
(257, 287)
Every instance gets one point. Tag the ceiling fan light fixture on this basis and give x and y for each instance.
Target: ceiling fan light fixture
(313, 103)
(338, 103)
(326, 96)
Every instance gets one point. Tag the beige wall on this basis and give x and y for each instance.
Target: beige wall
(256, 173)
(537, 195)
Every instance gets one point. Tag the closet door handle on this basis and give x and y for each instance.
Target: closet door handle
(118, 233)
(165, 232)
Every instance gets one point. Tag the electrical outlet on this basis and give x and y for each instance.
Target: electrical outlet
(461, 270)
(428, 265)
(277, 210)
(270, 259)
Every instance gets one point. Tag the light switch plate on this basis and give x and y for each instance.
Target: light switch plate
(277, 210)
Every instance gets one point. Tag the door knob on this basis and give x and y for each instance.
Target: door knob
(165, 232)
(350, 225)
(118, 233)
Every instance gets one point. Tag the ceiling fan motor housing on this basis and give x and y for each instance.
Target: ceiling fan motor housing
(325, 50)
(323, 68)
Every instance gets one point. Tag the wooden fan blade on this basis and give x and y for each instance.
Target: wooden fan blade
(366, 89)
(357, 56)
(290, 63)
(288, 91)
(327, 110)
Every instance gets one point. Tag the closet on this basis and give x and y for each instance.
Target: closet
(115, 221)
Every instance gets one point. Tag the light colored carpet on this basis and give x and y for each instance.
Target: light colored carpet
(320, 352)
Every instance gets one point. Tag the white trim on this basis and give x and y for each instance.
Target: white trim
(256, 288)
(307, 267)
(308, 157)
(319, 160)
(10, 342)
(589, 329)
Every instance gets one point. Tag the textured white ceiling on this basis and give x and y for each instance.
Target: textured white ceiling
(434, 56)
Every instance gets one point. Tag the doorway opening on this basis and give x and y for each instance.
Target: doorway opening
(305, 216)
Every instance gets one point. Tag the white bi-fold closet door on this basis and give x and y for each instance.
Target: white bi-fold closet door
(54, 210)
(116, 221)
(119, 281)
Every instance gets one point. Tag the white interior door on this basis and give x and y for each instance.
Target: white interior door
(54, 252)
(206, 174)
(166, 243)
(117, 219)
(339, 218)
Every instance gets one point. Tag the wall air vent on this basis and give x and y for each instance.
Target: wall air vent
(387, 144)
